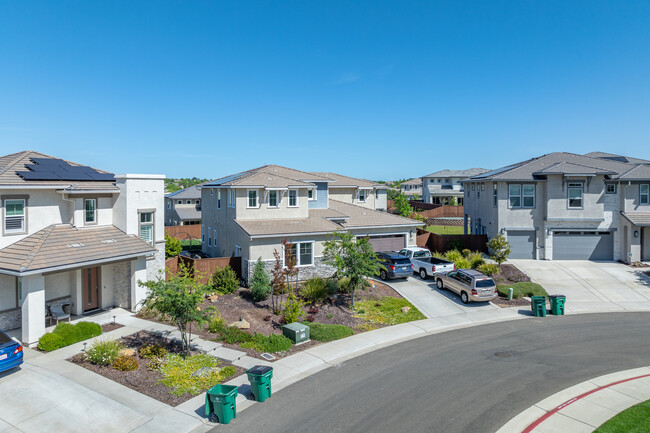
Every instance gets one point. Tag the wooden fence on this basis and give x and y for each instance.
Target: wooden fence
(441, 243)
(444, 212)
(202, 268)
(418, 204)
(192, 231)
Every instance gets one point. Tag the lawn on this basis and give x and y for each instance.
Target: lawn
(523, 288)
(387, 310)
(323, 332)
(196, 244)
(633, 420)
(445, 230)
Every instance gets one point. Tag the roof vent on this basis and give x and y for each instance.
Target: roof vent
(295, 222)
(109, 241)
(79, 245)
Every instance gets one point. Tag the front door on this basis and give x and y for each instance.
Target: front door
(90, 277)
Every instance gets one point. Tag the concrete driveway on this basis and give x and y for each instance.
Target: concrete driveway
(426, 297)
(597, 286)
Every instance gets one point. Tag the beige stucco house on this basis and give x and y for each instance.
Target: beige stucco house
(74, 235)
(248, 214)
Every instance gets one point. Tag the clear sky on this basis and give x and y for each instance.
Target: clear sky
(373, 89)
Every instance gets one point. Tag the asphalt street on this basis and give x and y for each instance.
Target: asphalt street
(469, 380)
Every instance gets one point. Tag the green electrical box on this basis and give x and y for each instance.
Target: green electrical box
(296, 332)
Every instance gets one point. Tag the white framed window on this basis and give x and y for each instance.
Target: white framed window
(218, 199)
(528, 195)
(147, 226)
(90, 211)
(293, 198)
(237, 251)
(169, 204)
(575, 192)
(644, 193)
(495, 191)
(273, 199)
(362, 195)
(376, 194)
(252, 199)
(179, 201)
(15, 215)
(303, 253)
(209, 237)
(231, 198)
(188, 202)
(610, 188)
(214, 233)
(311, 194)
(521, 196)
(211, 191)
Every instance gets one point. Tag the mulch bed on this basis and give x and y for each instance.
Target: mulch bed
(510, 274)
(503, 302)
(143, 380)
(108, 327)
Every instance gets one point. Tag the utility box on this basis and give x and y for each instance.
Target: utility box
(296, 332)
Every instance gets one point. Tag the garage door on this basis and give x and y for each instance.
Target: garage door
(387, 242)
(583, 245)
(522, 244)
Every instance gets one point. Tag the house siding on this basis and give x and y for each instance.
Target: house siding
(321, 201)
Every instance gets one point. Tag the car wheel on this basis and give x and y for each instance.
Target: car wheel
(423, 274)
(464, 297)
(383, 275)
(439, 284)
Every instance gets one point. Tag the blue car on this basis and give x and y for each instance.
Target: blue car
(11, 352)
(393, 265)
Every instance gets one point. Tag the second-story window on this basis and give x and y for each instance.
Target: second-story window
(273, 199)
(521, 196)
(293, 198)
(231, 198)
(15, 216)
(528, 195)
(311, 194)
(362, 195)
(495, 190)
(169, 204)
(574, 195)
(218, 198)
(644, 189)
(610, 188)
(90, 210)
(252, 198)
(146, 227)
(209, 237)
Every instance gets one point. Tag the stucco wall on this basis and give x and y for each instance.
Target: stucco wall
(321, 201)
(265, 212)
(349, 195)
(7, 292)
(58, 285)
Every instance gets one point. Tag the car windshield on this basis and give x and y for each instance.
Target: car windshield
(4, 339)
(485, 283)
(421, 254)
(402, 261)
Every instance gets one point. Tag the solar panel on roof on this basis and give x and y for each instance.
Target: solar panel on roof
(47, 161)
(58, 169)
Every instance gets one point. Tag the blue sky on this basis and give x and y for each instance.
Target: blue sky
(373, 89)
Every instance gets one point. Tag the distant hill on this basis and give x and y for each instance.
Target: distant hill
(173, 185)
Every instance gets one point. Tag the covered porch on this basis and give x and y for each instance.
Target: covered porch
(636, 237)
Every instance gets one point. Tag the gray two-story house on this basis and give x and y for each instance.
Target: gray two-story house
(183, 207)
(564, 206)
(249, 214)
(446, 186)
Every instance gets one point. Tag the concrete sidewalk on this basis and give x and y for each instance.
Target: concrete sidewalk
(584, 407)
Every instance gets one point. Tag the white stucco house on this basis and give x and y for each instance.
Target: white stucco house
(564, 206)
(248, 214)
(443, 186)
(74, 235)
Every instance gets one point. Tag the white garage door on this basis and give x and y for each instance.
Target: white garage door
(387, 242)
(583, 245)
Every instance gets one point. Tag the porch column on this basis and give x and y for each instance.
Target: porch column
(76, 286)
(138, 273)
(33, 308)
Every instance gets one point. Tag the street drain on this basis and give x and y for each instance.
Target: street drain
(503, 354)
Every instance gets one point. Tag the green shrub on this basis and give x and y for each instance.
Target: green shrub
(88, 330)
(329, 315)
(156, 364)
(216, 323)
(228, 371)
(466, 252)
(50, 342)
(177, 373)
(323, 332)
(173, 247)
(69, 332)
(332, 286)
(475, 259)
(462, 263)
(525, 288)
(489, 269)
(314, 290)
(233, 335)
(225, 280)
(260, 282)
(438, 255)
(292, 311)
(269, 343)
(453, 255)
(152, 351)
(344, 285)
(104, 352)
(125, 363)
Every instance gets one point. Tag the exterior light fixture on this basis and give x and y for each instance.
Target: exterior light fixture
(636, 233)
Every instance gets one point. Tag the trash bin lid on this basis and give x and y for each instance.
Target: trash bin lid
(557, 296)
(259, 369)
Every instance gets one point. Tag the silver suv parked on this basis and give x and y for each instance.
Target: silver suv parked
(471, 285)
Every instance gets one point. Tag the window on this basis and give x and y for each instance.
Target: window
(311, 194)
(231, 198)
(209, 237)
(514, 194)
(293, 198)
(202, 234)
(169, 204)
(179, 201)
(211, 191)
(362, 195)
(15, 215)
(574, 195)
(528, 195)
(188, 202)
(197, 201)
(215, 237)
(644, 189)
(303, 253)
(273, 199)
(376, 194)
(482, 187)
(521, 196)
(90, 205)
(237, 251)
(495, 190)
(218, 198)
(472, 187)
(146, 227)
(610, 188)
(252, 198)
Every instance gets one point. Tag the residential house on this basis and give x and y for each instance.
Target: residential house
(74, 235)
(183, 207)
(564, 206)
(248, 214)
(445, 186)
(412, 189)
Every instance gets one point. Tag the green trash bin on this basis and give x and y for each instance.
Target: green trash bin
(557, 304)
(260, 379)
(538, 305)
(221, 402)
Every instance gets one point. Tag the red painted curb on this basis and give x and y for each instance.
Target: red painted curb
(552, 412)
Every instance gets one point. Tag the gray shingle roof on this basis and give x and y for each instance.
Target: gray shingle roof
(188, 213)
(458, 173)
(341, 180)
(280, 177)
(191, 192)
(620, 158)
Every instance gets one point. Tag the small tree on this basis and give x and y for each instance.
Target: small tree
(353, 258)
(454, 201)
(225, 280)
(178, 298)
(278, 284)
(260, 282)
(499, 249)
(173, 247)
(402, 205)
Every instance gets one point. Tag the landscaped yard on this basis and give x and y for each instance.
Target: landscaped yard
(633, 420)
(445, 230)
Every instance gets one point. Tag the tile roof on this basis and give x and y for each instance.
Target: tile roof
(638, 218)
(10, 164)
(347, 216)
(341, 180)
(458, 173)
(188, 212)
(191, 192)
(66, 246)
(417, 181)
(280, 177)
